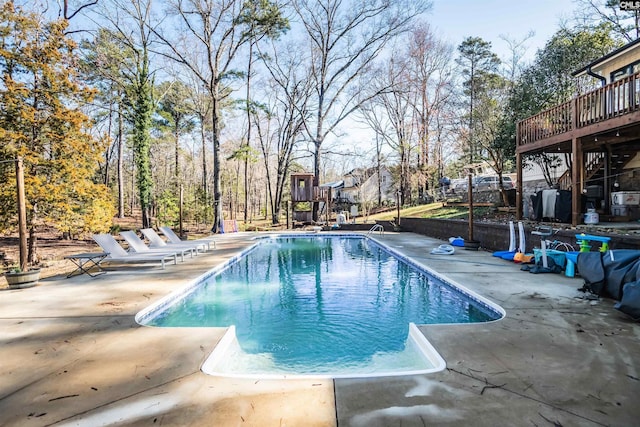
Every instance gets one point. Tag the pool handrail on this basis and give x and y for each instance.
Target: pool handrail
(376, 227)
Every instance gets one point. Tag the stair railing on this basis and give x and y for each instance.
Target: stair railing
(376, 227)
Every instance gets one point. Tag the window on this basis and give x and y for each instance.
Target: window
(620, 95)
(625, 71)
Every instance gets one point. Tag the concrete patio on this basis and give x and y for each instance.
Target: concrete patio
(73, 355)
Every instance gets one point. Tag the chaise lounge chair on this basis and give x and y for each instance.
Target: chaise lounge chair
(137, 245)
(157, 242)
(116, 253)
(174, 238)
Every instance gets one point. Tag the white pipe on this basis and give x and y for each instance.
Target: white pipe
(523, 242)
(512, 237)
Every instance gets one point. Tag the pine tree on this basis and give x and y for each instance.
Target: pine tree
(42, 122)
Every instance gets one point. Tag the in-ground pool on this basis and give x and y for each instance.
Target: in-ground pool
(320, 305)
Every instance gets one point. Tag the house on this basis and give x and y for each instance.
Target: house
(598, 131)
(366, 186)
(359, 189)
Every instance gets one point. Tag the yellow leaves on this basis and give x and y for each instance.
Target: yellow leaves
(41, 121)
(99, 214)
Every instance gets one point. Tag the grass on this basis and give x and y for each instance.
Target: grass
(433, 210)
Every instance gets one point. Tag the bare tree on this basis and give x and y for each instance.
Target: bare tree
(345, 37)
(624, 23)
(214, 32)
(201, 104)
(513, 65)
(429, 71)
(281, 122)
(130, 33)
(389, 114)
(66, 9)
(210, 42)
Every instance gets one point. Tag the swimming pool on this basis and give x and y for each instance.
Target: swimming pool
(320, 305)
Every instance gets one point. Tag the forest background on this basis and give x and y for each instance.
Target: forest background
(201, 109)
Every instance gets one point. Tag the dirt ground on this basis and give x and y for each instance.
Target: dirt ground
(51, 249)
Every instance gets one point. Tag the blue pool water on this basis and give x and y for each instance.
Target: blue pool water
(316, 304)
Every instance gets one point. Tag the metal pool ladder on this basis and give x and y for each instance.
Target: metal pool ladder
(376, 227)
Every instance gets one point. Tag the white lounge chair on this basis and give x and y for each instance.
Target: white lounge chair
(174, 238)
(137, 245)
(157, 242)
(116, 253)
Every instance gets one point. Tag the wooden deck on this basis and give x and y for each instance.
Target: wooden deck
(600, 131)
(599, 113)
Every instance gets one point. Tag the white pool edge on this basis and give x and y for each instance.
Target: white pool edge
(221, 353)
(486, 302)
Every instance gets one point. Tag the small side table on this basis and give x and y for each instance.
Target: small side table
(85, 262)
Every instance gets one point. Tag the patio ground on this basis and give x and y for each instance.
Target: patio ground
(72, 354)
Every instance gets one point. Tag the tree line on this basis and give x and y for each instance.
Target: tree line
(202, 109)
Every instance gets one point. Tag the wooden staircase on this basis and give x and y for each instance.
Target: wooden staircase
(595, 167)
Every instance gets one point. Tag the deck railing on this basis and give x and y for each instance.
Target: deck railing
(613, 100)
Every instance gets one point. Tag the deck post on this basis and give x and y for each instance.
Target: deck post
(519, 207)
(607, 179)
(577, 176)
(470, 192)
(519, 174)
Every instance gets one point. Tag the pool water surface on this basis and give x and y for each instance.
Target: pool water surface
(309, 305)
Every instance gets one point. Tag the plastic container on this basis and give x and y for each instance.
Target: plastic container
(591, 217)
(558, 256)
(620, 210)
(631, 211)
(570, 271)
(625, 198)
(572, 259)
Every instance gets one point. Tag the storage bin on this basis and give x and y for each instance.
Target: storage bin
(558, 256)
(630, 198)
(630, 211)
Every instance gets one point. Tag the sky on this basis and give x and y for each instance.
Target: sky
(454, 20)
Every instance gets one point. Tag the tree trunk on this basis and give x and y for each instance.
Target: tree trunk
(217, 189)
(246, 158)
(32, 257)
(234, 211)
(205, 193)
(120, 171)
(176, 137)
(107, 154)
(316, 177)
(142, 119)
